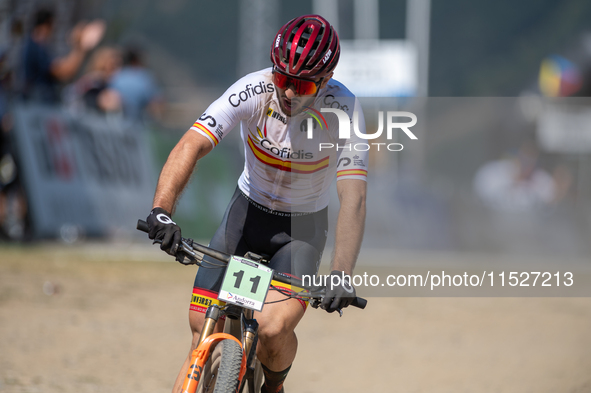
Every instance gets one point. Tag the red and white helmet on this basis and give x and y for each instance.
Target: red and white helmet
(306, 47)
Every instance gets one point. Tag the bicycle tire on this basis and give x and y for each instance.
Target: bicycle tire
(221, 371)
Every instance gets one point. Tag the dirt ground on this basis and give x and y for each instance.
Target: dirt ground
(114, 319)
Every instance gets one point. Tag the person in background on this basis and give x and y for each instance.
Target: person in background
(519, 184)
(92, 91)
(13, 202)
(137, 87)
(42, 72)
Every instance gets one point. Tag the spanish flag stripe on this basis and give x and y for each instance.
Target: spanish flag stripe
(351, 172)
(284, 165)
(302, 163)
(289, 166)
(209, 133)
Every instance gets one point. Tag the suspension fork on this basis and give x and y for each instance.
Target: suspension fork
(211, 318)
(246, 334)
(249, 329)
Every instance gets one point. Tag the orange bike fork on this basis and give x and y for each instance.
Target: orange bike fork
(200, 356)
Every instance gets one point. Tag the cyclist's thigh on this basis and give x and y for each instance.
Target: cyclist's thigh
(297, 258)
(280, 313)
(228, 238)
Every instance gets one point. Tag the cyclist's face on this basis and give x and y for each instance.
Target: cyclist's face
(292, 101)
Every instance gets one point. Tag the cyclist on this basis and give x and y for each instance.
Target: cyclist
(280, 205)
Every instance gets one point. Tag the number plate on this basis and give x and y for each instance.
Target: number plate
(245, 283)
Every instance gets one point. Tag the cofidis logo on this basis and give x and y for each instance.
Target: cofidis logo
(345, 124)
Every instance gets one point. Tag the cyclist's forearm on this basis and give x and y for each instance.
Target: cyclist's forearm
(350, 224)
(178, 169)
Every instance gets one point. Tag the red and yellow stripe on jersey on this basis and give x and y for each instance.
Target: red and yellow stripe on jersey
(351, 172)
(289, 166)
(210, 134)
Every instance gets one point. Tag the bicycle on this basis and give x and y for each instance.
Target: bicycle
(226, 362)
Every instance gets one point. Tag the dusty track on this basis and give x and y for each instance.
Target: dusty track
(115, 325)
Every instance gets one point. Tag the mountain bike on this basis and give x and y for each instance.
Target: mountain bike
(226, 362)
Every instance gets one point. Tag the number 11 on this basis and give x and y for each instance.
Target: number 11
(255, 281)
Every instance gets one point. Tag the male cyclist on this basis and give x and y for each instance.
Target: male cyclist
(280, 205)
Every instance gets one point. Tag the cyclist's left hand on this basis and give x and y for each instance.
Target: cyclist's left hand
(338, 296)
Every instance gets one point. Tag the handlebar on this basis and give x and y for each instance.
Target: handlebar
(189, 246)
(142, 226)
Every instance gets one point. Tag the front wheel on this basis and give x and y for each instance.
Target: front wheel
(222, 369)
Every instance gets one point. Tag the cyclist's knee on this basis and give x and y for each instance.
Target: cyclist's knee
(274, 329)
(278, 320)
(273, 338)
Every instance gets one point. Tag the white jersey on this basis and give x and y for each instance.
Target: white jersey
(283, 169)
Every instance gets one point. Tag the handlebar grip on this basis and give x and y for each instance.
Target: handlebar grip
(359, 302)
(142, 226)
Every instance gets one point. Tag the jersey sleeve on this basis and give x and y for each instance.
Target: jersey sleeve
(237, 103)
(352, 162)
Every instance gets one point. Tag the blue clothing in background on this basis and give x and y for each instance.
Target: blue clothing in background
(39, 83)
(137, 88)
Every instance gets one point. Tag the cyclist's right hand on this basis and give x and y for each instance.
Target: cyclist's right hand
(161, 227)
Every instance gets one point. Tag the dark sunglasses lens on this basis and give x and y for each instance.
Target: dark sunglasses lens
(305, 88)
(280, 80)
(301, 87)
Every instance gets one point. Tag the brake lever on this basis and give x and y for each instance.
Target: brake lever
(184, 251)
(186, 248)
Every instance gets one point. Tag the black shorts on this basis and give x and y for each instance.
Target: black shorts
(293, 241)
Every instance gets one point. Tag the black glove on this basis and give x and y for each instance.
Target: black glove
(339, 292)
(161, 227)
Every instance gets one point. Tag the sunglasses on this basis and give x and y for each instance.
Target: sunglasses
(301, 87)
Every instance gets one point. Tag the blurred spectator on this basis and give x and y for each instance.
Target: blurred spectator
(137, 87)
(13, 203)
(518, 184)
(13, 57)
(42, 72)
(92, 90)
